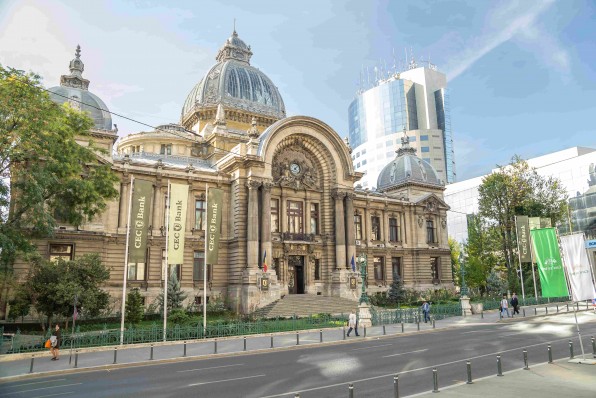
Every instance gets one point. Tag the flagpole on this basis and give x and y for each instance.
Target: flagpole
(533, 273)
(205, 264)
(125, 277)
(165, 290)
(74, 319)
(521, 272)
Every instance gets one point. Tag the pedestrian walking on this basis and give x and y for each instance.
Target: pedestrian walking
(55, 341)
(353, 323)
(505, 307)
(426, 311)
(515, 305)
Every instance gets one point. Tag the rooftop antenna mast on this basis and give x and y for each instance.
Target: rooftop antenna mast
(234, 24)
(394, 62)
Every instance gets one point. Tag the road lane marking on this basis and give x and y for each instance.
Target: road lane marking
(225, 380)
(213, 367)
(36, 382)
(54, 395)
(285, 394)
(404, 353)
(373, 346)
(43, 388)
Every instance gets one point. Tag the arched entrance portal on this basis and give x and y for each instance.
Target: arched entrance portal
(296, 274)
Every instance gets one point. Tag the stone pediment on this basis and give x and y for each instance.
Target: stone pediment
(432, 203)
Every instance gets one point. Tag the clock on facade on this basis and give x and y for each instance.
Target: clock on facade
(295, 168)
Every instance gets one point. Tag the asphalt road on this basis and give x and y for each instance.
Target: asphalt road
(326, 371)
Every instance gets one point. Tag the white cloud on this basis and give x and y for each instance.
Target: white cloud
(505, 23)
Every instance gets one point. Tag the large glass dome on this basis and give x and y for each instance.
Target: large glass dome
(235, 84)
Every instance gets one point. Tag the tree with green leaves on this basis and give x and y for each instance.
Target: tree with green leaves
(44, 170)
(480, 253)
(134, 307)
(517, 189)
(176, 295)
(396, 291)
(455, 249)
(52, 286)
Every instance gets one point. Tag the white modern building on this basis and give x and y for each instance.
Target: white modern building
(574, 167)
(414, 100)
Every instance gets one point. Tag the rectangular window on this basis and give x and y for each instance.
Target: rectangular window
(379, 268)
(274, 215)
(276, 267)
(176, 268)
(424, 149)
(424, 138)
(396, 268)
(314, 218)
(61, 251)
(197, 267)
(430, 232)
(434, 268)
(137, 271)
(199, 215)
(375, 223)
(388, 143)
(358, 226)
(166, 149)
(394, 230)
(364, 162)
(364, 151)
(295, 217)
(317, 269)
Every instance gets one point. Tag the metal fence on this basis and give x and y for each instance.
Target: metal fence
(494, 304)
(19, 343)
(413, 315)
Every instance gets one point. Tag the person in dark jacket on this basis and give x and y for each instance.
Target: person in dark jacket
(55, 340)
(515, 304)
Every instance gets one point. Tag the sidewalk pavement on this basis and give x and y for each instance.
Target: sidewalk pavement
(560, 378)
(15, 366)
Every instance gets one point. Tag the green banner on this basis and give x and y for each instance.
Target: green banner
(214, 210)
(140, 212)
(550, 265)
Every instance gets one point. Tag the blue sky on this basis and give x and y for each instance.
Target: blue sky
(522, 74)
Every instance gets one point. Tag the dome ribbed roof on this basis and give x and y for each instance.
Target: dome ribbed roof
(235, 84)
(407, 168)
(75, 90)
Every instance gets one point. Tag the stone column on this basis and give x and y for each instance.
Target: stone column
(252, 225)
(157, 206)
(124, 193)
(266, 224)
(340, 237)
(350, 237)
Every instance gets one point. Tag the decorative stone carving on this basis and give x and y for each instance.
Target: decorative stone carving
(293, 167)
(253, 184)
(337, 194)
(443, 223)
(420, 221)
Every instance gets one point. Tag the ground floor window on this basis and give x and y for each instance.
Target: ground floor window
(136, 272)
(198, 264)
(176, 268)
(379, 268)
(317, 269)
(396, 268)
(435, 266)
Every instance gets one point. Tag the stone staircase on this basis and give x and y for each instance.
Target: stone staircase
(303, 305)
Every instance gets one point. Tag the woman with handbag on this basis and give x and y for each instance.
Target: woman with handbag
(55, 340)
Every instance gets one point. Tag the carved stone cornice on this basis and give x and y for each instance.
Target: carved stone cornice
(350, 195)
(338, 194)
(267, 185)
(253, 184)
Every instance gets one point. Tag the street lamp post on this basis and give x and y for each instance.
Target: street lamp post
(463, 288)
(363, 296)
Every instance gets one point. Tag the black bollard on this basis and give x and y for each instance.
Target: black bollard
(365, 331)
(215, 346)
(433, 323)
(33, 359)
(469, 369)
(115, 355)
(321, 336)
(396, 386)
(418, 324)
(524, 312)
(344, 329)
(244, 343)
(435, 380)
(297, 338)
(351, 390)
(557, 308)
(384, 331)
(482, 314)
(567, 307)
(550, 354)
(526, 367)
(570, 349)
(271, 340)
(151, 354)
(546, 310)
(402, 327)
(499, 367)
(76, 365)
(184, 349)
(535, 312)
(297, 395)
(593, 347)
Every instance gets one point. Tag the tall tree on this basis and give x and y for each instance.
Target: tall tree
(518, 189)
(481, 258)
(44, 171)
(456, 250)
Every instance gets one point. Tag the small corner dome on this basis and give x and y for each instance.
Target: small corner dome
(74, 89)
(407, 168)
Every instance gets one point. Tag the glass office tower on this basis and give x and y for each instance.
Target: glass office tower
(416, 101)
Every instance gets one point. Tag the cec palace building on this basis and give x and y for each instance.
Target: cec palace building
(288, 191)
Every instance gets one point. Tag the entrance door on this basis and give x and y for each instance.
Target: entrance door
(296, 271)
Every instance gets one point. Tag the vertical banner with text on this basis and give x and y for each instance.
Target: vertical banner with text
(177, 223)
(550, 265)
(578, 267)
(142, 198)
(214, 213)
(523, 238)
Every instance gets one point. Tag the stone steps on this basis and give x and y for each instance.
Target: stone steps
(304, 305)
